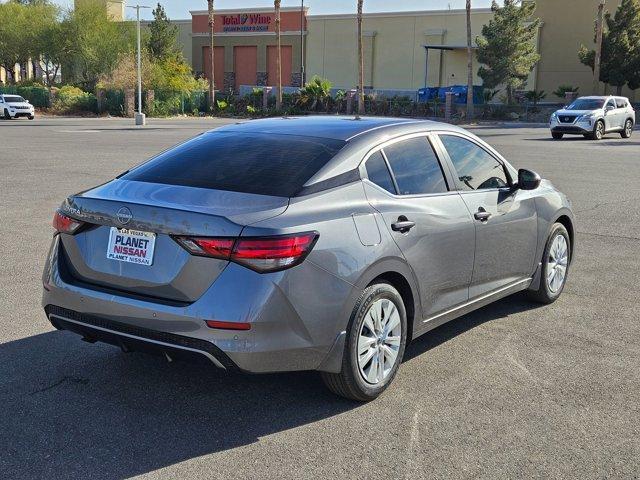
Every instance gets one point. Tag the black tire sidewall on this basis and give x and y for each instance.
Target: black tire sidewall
(624, 132)
(595, 130)
(371, 294)
(558, 229)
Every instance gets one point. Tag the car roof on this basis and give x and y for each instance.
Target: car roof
(602, 97)
(335, 127)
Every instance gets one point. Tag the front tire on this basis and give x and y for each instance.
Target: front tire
(628, 129)
(374, 347)
(555, 266)
(7, 115)
(31, 117)
(557, 135)
(598, 131)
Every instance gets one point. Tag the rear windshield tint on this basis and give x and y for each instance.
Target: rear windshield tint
(264, 164)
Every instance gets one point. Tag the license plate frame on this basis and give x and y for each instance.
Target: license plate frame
(131, 246)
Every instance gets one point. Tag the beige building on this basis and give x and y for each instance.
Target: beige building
(396, 57)
(566, 25)
(115, 8)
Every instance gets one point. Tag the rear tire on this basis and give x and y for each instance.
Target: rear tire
(628, 129)
(556, 261)
(377, 330)
(557, 135)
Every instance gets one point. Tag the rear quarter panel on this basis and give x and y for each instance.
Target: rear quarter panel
(345, 259)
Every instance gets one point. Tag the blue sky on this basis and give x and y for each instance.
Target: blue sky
(178, 9)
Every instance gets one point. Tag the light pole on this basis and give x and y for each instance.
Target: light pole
(140, 117)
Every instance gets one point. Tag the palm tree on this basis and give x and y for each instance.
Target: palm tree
(212, 86)
(469, 65)
(360, 62)
(276, 4)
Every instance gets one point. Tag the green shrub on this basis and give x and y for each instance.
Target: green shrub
(71, 99)
(35, 93)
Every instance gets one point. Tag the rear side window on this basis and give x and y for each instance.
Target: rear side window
(475, 167)
(621, 103)
(415, 167)
(378, 172)
(264, 164)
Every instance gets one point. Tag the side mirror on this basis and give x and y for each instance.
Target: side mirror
(609, 108)
(528, 180)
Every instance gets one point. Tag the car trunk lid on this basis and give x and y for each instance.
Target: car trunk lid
(164, 211)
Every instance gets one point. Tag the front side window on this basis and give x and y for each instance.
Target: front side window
(611, 103)
(415, 167)
(378, 172)
(475, 168)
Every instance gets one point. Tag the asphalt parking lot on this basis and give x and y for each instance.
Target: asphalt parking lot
(513, 390)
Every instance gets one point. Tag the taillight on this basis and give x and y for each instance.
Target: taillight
(64, 224)
(263, 254)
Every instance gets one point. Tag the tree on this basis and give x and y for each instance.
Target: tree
(620, 63)
(212, 86)
(316, 93)
(94, 44)
(535, 96)
(469, 64)
(360, 61)
(506, 48)
(14, 48)
(562, 90)
(276, 5)
(163, 36)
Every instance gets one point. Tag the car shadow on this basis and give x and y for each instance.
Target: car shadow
(508, 306)
(73, 410)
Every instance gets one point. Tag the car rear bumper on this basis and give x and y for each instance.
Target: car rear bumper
(131, 338)
(296, 317)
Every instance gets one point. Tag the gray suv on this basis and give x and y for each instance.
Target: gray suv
(594, 117)
(315, 243)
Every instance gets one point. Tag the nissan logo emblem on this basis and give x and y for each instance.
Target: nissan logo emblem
(124, 215)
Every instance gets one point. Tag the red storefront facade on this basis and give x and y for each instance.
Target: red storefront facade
(246, 48)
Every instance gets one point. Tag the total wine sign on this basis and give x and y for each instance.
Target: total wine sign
(246, 22)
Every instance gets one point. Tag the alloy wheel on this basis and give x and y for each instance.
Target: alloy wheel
(557, 263)
(628, 128)
(379, 341)
(599, 130)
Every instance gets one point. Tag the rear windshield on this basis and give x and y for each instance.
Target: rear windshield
(264, 164)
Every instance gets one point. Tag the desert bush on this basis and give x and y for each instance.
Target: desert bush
(71, 99)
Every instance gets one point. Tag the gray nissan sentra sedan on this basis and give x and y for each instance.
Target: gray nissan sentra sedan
(315, 243)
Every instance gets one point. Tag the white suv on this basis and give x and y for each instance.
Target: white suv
(14, 106)
(594, 117)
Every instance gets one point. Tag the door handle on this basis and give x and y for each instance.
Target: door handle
(482, 215)
(402, 225)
